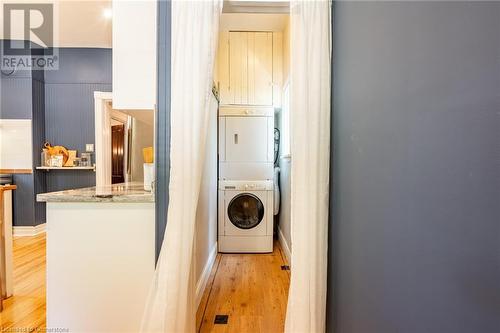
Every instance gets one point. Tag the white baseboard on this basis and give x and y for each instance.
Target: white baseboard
(202, 281)
(24, 231)
(285, 247)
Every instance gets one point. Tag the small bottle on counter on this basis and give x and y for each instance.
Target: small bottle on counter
(86, 159)
(45, 158)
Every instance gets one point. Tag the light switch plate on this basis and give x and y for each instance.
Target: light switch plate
(89, 147)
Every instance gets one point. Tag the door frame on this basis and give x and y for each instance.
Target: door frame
(102, 109)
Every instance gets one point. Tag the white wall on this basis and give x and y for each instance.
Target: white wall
(286, 50)
(206, 213)
(142, 137)
(284, 163)
(285, 191)
(15, 144)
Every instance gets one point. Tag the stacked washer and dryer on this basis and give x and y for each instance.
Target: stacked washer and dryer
(246, 187)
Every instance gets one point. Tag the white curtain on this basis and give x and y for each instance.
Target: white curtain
(170, 307)
(310, 150)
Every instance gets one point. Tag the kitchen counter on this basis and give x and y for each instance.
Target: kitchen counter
(125, 192)
(100, 257)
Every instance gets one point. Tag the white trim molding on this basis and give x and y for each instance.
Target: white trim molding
(205, 275)
(102, 109)
(285, 247)
(27, 231)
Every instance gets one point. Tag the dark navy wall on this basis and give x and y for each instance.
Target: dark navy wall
(416, 141)
(38, 131)
(16, 96)
(22, 97)
(61, 106)
(69, 107)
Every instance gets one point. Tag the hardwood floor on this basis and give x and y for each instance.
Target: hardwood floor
(26, 308)
(251, 289)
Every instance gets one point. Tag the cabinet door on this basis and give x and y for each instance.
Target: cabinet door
(134, 54)
(238, 66)
(225, 95)
(246, 139)
(250, 68)
(277, 68)
(260, 68)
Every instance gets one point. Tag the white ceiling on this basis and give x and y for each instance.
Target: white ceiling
(253, 22)
(80, 23)
(256, 6)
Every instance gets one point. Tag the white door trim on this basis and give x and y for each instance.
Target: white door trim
(102, 109)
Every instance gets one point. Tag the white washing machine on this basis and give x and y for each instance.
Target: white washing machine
(246, 216)
(246, 143)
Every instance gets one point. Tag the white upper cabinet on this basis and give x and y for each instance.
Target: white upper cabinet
(134, 54)
(250, 68)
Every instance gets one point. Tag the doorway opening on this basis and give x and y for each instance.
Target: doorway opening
(249, 281)
(118, 134)
(124, 143)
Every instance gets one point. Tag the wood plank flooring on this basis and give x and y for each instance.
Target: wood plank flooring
(26, 309)
(251, 289)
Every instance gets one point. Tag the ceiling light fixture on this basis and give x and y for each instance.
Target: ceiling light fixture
(107, 13)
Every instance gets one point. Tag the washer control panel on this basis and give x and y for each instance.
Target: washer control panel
(241, 185)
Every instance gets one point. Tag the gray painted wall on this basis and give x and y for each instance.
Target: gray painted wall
(162, 151)
(69, 107)
(416, 193)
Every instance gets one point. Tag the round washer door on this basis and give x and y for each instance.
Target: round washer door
(245, 211)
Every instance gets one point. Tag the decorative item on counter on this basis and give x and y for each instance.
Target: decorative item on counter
(71, 158)
(149, 168)
(149, 176)
(77, 162)
(56, 160)
(57, 150)
(147, 154)
(86, 160)
(45, 158)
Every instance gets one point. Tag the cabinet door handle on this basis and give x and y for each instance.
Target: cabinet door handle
(235, 138)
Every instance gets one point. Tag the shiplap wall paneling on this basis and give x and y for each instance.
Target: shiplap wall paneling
(250, 67)
(262, 55)
(223, 68)
(71, 104)
(69, 107)
(38, 132)
(277, 71)
(238, 67)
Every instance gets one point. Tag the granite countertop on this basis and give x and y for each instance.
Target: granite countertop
(125, 192)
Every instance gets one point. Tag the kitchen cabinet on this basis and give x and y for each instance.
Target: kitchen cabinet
(134, 54)
(100, 257)
(249, 68)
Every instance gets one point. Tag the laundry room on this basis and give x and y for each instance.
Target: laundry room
(243, 227)
(251, 82)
